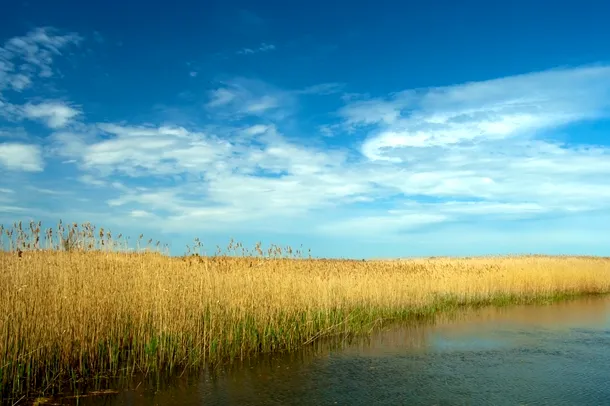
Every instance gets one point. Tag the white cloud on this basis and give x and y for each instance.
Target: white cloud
(14, 133)
(21, 157)
(46, 191)
(495, 109)
(322, 89)
(246, 97)
(12, 209)
(367, 112)
(263, 47)
(221, 97)
(536, 172)
(140, 213)
(278, 178)
(19, 81)
(262, 104)
(139, 150)
(23, 59)
(256, 129)
(8, 111)
(254, 175)
(91, 180)
(55, 114)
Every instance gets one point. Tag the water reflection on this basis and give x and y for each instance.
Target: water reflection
(556, 354)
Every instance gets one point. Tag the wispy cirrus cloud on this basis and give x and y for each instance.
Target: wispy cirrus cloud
(323, 89)
(263, 47)
(25, 58)
(490, 110)
(242, 97)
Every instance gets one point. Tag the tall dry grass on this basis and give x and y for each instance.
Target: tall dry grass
(83, 308)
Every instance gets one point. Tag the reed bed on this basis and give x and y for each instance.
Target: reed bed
(76, 304)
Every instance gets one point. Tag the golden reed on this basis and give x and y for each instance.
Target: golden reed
(74, 304)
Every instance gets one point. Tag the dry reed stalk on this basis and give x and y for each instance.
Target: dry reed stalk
(77, 310)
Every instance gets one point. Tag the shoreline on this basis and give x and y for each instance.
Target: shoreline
(424, 316)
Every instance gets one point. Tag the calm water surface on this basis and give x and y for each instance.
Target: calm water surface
(528, 355)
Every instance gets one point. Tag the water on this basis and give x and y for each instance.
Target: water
(528, 355)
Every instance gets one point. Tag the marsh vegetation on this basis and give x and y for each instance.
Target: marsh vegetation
(77, 305)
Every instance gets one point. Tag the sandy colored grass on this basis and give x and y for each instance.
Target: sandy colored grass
(73, 315)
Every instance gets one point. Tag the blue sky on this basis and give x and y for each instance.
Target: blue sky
(384, 129)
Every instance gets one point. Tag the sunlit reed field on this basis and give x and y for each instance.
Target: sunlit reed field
(75, 304)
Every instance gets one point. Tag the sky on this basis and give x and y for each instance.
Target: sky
(362, 130)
